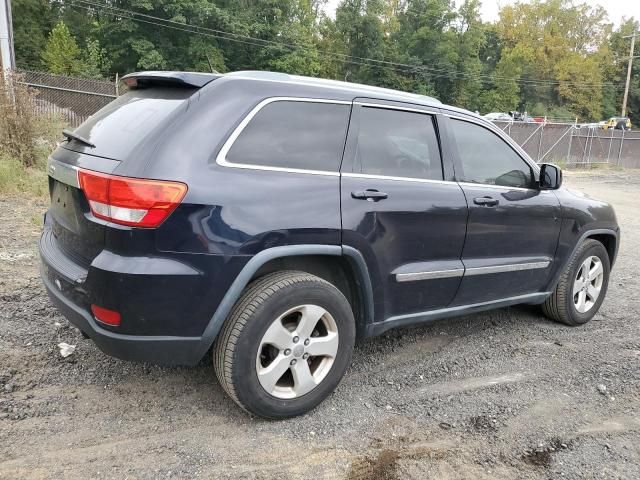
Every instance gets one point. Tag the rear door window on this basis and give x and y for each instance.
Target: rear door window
(397, 143)
(301, 135)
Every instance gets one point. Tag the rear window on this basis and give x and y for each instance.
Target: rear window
(117, 128)
(293, 134)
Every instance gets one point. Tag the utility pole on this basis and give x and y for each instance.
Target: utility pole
(7, 58)
(629, 68)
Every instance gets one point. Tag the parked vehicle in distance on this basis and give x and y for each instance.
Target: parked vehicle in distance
(277, 219)
(617, 123)
(498, 117)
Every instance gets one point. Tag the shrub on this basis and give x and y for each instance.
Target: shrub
(26, 140)
(17, 119)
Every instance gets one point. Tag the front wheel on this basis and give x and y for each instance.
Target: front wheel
(582, 286)
(286, 344)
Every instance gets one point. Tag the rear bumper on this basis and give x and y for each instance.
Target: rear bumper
(65, 282)
(154, 349)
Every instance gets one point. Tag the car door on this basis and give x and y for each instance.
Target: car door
(513, 227)
(400, 210)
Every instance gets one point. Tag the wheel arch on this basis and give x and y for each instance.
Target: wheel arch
(344, 267)
(608, 237)
(610, 241)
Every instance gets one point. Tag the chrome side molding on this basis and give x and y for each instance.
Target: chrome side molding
(462, 272)
(412, 277)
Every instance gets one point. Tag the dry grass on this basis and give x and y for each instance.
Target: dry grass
(25, 141)
(17, 119)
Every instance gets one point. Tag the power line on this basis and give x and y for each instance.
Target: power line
(224, 35)
(371, 62)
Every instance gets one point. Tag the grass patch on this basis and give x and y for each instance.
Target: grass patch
(16, 179)
(26, 140)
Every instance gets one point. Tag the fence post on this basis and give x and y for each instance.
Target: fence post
(116, 85)
(570, 143)
(540, 141)
(620, 151)
(593, 134)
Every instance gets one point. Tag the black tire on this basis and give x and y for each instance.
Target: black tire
(560, 305)
(236, 348)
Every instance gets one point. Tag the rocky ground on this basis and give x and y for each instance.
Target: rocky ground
(505, 394)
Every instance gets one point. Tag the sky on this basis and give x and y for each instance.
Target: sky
(616, 8)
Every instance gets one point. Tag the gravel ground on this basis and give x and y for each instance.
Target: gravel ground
(505, 394)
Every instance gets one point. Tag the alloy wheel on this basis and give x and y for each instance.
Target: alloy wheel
(588, 284)
(297, 351)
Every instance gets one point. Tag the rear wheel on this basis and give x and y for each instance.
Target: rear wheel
(582, 286)
(286, 344)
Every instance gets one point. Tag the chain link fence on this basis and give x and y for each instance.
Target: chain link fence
(574, 145)
(73, 98)
(76, 99)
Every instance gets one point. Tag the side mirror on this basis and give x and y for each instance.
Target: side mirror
(550, 177)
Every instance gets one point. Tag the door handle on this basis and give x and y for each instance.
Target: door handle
(370, 194)
(486, 201)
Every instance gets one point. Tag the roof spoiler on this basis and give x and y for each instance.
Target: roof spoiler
(168, 79)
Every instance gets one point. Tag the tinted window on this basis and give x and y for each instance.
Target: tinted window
(398, 144)
(290, 134)
(130, 119)
(486, 158)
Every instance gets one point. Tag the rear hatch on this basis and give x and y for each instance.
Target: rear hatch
(123, 132)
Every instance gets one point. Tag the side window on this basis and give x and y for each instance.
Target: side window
(293, 134)
(398, 144)
(488, 159)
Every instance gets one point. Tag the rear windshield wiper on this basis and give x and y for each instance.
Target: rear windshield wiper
(74, 136)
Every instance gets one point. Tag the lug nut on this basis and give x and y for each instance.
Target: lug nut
(287, 351)
(305, 356)
(306, 342)
(293, 362)
(295, 339)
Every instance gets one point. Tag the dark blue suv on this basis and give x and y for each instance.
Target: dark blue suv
(275, 219)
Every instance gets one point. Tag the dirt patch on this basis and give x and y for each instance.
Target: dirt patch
(382, 467)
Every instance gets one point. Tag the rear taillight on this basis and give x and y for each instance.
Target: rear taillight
(106, 316)
(130, 201)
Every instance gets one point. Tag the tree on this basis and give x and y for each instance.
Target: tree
(557, 47)
(61, 53)
(616, 73)
(472, 38)
(96, 62)
(32, 19)
(540, 55)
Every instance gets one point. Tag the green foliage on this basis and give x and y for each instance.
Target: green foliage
(540, 55)
(33, 19)
(61, 53)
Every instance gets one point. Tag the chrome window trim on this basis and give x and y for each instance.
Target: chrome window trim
(395, 107)
(415, 276)
(506, 268)
(400, 179)
(221, 158)
(62, 172)
(470, 272)
(497, 187)
(492, 128)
